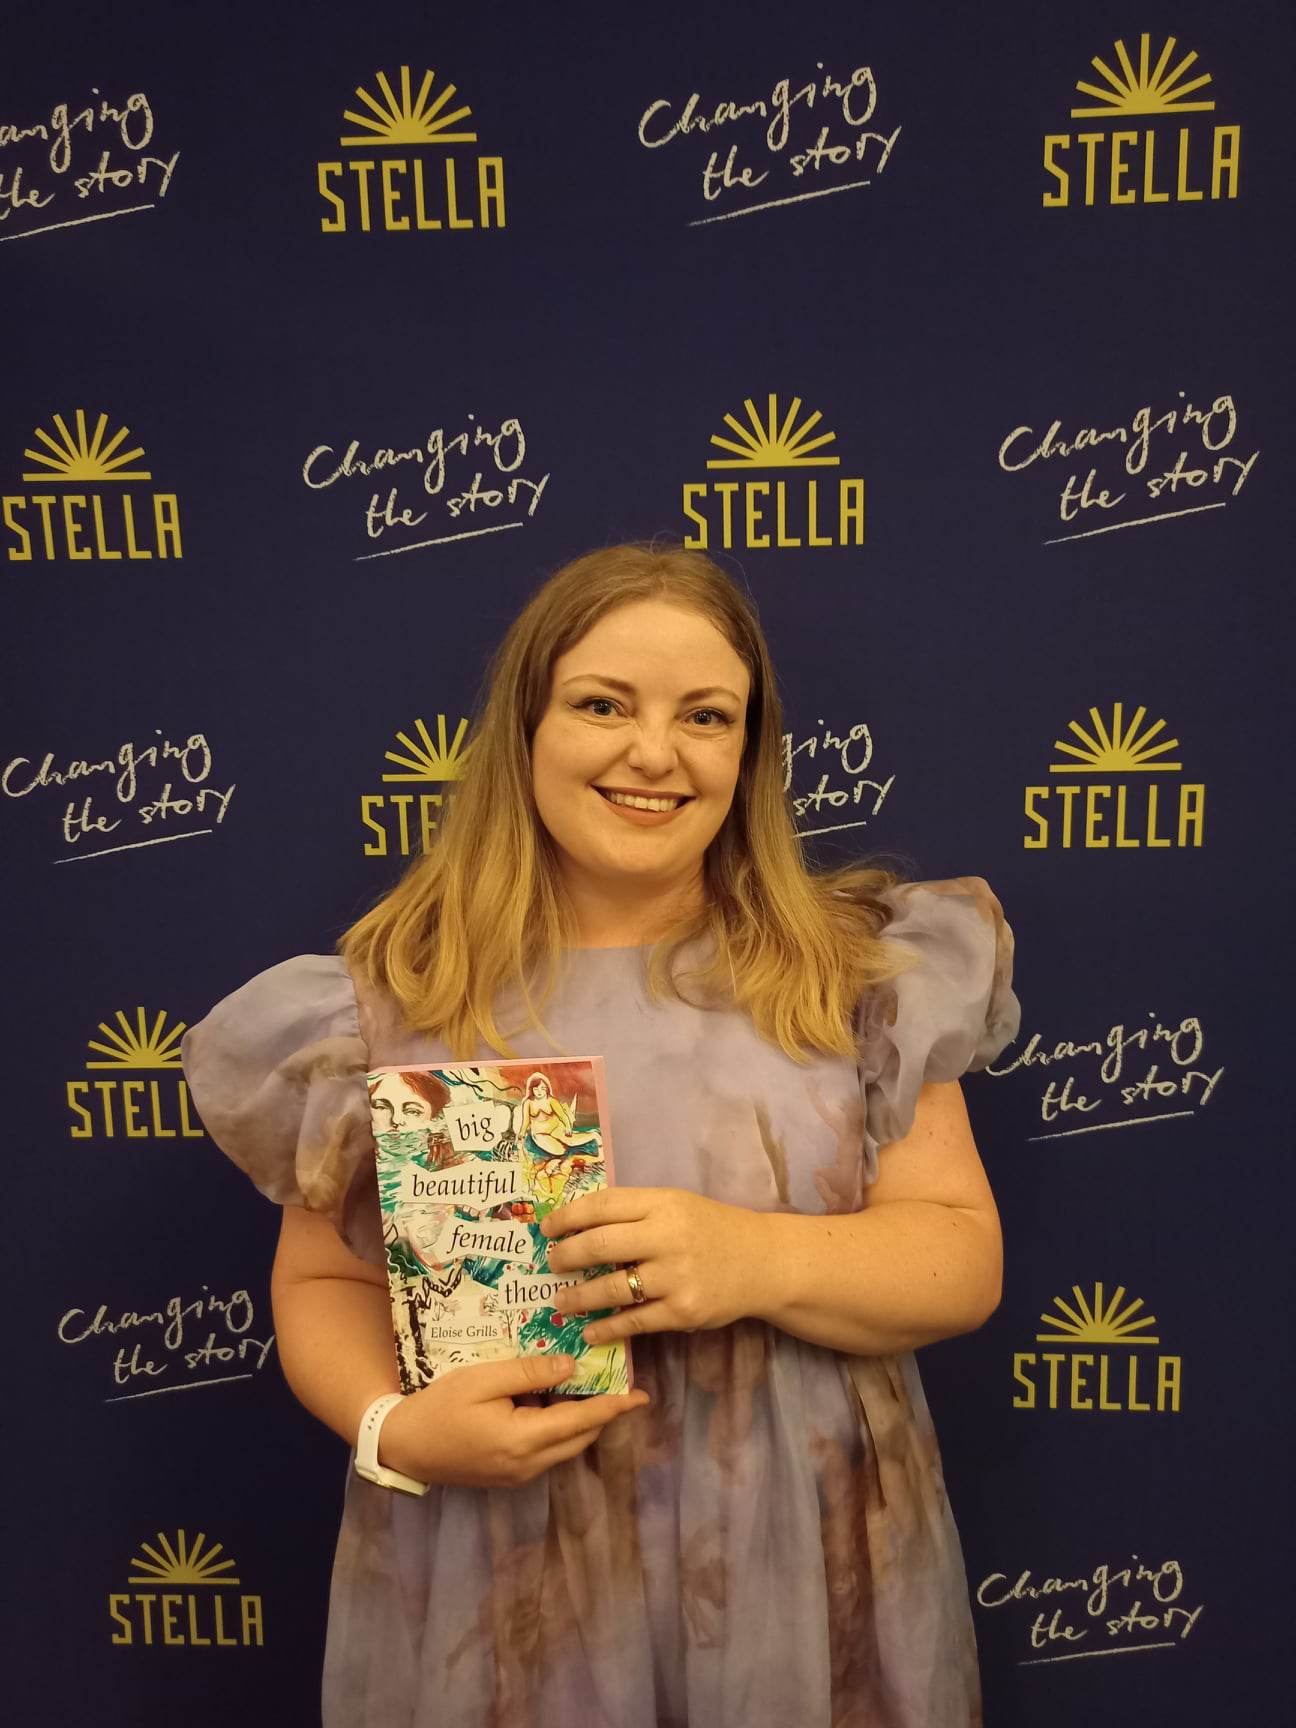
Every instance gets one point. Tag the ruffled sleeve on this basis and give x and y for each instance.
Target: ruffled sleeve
(952, 1012)
(277, 1071)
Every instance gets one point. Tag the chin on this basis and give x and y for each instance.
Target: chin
(641, 864)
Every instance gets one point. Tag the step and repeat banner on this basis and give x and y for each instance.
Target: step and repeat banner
(962, 335)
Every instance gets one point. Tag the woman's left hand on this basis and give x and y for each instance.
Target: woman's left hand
(701, 1263)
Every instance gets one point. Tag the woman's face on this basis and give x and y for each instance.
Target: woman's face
(397, 1105)
(540, 1090)
(649, 705)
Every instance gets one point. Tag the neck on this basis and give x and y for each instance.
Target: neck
(629, 914)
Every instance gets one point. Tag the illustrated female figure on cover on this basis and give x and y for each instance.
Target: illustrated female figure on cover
(547, 1126)
(758, 1535)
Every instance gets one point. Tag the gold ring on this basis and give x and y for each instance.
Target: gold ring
(637, 1291)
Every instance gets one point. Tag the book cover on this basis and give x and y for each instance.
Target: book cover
(471, 1158)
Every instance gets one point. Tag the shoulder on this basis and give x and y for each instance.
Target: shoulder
(951, 1003)
(304, 982)
(277, 1071)
(277, 1020)
(952, 1008)
(925, 901)
(955, 925)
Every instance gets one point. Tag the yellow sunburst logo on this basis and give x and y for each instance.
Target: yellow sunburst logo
(82, 455)
(1117, 749)
(406, 120)
(140, 1045)
(1151, 90)
(776, 442)
(1097, 1322)
(181, 1562)
(444, 759)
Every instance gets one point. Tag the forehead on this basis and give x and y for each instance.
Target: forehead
(655, 640)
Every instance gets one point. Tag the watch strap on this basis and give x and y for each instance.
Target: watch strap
(366, 1449)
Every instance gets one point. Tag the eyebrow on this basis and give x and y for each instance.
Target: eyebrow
(628, 689)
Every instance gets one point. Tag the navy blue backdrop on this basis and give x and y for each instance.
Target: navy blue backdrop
(977, 375)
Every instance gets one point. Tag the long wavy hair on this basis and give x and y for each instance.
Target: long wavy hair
(485, 909)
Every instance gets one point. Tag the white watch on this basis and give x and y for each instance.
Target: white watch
(366, 1449)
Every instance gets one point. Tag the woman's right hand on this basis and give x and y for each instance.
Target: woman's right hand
(466, 1430)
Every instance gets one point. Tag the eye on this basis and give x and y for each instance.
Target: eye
(715, 717)
(606, 706)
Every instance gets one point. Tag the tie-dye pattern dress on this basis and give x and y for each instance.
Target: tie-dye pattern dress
(768, 1544)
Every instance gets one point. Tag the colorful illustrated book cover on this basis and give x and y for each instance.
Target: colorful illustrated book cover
(471, 1157)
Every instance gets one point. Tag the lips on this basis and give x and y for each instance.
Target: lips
(615, 796)
(618, 796)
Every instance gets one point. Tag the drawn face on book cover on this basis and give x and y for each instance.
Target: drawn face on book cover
(648, 705)
(396, 1103)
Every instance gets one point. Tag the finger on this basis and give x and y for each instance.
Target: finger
(601, 1245)
(560, 1454)
(603, 1206)
(627, 1322)
(612, 1290)
(513, 1378)
(569, 1448)
(562, 1422)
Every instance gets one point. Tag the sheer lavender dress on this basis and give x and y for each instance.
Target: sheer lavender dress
(768, 1544)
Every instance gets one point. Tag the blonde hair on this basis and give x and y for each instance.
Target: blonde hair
(485, 907)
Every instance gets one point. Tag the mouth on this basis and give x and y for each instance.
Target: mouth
(657, 804)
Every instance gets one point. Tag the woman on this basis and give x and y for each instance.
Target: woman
(549, 1134)
(549, 1121)
(758, 1534)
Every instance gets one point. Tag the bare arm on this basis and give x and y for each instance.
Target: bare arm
(332, 1323)
(922, 1261)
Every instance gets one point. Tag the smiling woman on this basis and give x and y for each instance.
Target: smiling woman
(634, 674)
(617, 758)
(799, 1205)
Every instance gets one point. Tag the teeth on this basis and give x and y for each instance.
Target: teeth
(642, 803)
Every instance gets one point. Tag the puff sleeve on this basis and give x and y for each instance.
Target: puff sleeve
(277, 1071)
(952, 1012)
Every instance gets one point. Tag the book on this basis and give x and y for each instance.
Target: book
(471, 1159)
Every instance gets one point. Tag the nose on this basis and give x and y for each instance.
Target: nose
(652, 751)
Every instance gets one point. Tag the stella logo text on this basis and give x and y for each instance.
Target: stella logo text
(81, 521)
(804, 507)
(120, 1102)
(1097, 1355)
(1154, 163)
(1131, 806)
(399, 174)
(185, 1593)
